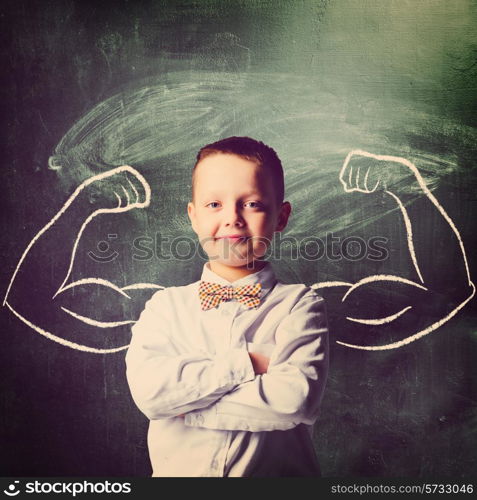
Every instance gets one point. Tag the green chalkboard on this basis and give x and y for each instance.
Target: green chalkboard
(369, 106)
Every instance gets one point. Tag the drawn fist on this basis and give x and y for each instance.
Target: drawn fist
(117, 190)
(366, 172)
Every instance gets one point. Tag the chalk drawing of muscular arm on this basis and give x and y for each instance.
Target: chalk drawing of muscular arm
(115, 191)
(368, 173)
(123, 189)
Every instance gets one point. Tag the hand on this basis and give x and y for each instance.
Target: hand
(117, 190)
(259, 362)
(365, 172)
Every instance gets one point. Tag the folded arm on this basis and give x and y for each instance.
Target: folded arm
(166, 380)
(290, 392)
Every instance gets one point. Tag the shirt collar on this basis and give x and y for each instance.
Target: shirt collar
(266, 277)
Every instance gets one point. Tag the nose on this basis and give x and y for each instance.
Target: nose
(233, 217)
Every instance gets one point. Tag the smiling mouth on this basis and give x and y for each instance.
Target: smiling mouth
(232, 238)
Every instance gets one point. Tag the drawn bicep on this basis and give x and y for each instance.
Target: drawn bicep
(386, 312)
(100, 303)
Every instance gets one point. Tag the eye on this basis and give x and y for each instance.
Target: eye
(253, 204)
(213, 204)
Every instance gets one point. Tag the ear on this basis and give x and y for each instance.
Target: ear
(192, 215)
(283, 215)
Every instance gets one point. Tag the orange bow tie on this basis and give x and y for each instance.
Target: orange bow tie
(211, 294)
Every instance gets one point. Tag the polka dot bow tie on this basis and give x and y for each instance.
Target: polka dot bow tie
(211, 294)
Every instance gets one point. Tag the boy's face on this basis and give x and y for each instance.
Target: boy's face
(235, 211)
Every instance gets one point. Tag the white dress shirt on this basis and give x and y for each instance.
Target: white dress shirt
(183, 360)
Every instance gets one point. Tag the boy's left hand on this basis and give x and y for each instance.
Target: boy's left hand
(259, 362)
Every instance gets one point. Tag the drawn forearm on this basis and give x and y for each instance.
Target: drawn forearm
(445, 238)
(118, 190)
(58, 239)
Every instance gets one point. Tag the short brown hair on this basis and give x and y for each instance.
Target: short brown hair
(251, 150)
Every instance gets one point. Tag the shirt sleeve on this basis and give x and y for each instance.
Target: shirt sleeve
(165, 379)
(290, 392)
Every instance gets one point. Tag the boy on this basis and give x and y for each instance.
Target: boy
(230, 370)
